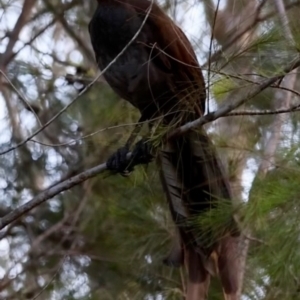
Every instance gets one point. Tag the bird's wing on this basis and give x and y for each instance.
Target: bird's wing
(170, 50)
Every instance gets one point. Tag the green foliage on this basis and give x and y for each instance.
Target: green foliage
(222, 87)
(215, 222)
(272, 214)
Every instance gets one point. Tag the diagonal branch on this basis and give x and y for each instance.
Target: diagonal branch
(50, 193)
(70, 31)
(22, 97)
(23, 18)
(225, 109)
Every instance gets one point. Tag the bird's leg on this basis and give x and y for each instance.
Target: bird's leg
(198, 277)
(142, 153)
(119, 161)
(229, 265)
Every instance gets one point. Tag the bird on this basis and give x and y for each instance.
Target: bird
(149, 62)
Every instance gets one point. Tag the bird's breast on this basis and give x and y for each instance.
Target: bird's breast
(111, 28)
(122, 73)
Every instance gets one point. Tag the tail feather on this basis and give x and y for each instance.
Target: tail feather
(172, 185)
(198, 277)
(193, 179)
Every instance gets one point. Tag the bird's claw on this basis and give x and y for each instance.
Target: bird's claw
(142, 153)
(118, 162)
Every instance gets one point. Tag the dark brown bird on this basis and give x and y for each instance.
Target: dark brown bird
(159, 74)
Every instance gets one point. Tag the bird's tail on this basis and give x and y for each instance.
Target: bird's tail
(194, 181)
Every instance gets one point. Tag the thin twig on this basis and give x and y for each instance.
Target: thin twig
(97, 132)
(22, 20)
(84, 90)
(50, 193)
(264, 112)
(275, 86)
(291, 109)
(210, 51)
(225, 109)
(22, 97)
(51, 279)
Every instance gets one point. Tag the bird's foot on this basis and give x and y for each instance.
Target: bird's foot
(142, 153)
(118, 162)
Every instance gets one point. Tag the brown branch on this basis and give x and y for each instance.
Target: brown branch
(45, 287)
(21, 97)
(292, 109)
(210, 50)
(70, 31)
(275, 86)
(61, 9)
(14, 34)
(33, 38)
(55, 228)
(50, 193)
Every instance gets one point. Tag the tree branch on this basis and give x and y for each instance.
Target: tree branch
(21, 97)
(264, 112)
(61, 19)
(225, 109)
(50, 193)
(22, 20)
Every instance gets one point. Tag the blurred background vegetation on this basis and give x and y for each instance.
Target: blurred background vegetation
(106, 238)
